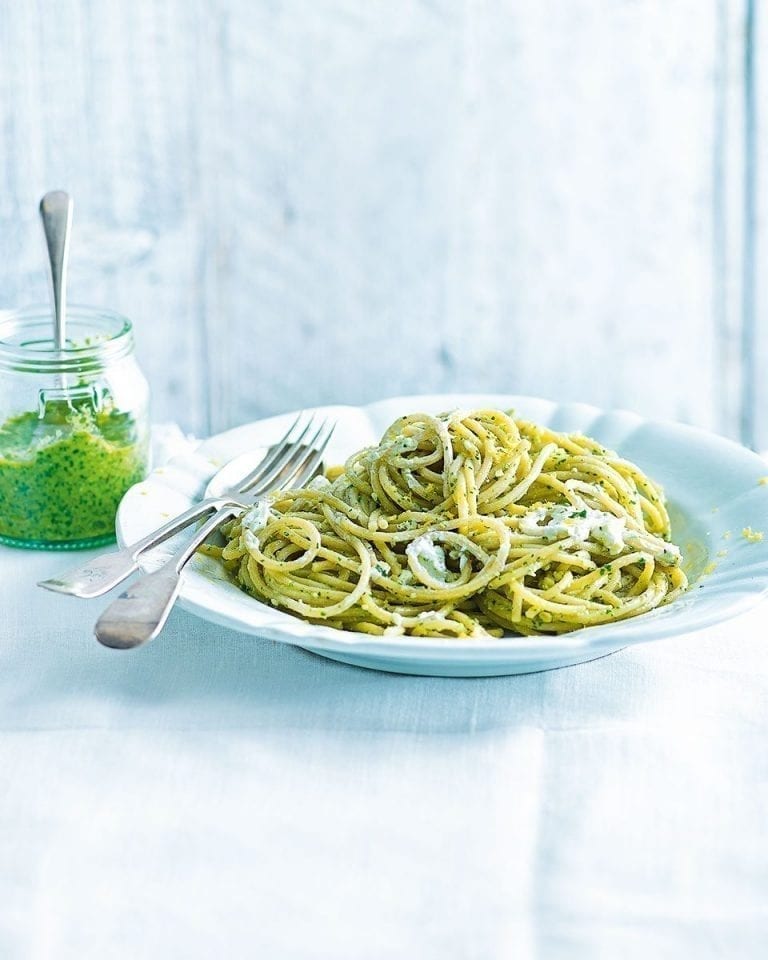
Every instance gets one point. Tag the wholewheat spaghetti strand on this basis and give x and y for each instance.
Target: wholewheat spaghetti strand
(463, 524)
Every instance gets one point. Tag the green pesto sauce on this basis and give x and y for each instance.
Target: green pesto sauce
(63, 475)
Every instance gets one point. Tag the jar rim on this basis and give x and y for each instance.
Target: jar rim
(106, 336)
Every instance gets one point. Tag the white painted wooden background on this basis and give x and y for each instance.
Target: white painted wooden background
(337, 200)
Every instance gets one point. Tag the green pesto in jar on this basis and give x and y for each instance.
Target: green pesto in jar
(63, 475)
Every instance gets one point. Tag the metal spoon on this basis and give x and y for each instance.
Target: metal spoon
(56, 214)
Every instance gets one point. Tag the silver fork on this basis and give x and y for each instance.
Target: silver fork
(103, 573)
(140, 611)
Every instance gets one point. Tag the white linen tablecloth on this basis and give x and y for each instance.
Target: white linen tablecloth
(215, 795)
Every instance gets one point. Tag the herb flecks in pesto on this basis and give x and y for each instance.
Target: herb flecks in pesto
(62, 475)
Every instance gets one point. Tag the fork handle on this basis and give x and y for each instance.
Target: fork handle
(100, 575)
(140, 611)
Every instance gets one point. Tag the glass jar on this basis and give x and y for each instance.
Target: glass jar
(74, 427)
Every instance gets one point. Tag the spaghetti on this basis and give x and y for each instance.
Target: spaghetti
(463, 525)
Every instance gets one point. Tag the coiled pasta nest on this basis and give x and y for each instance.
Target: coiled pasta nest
(463, 524)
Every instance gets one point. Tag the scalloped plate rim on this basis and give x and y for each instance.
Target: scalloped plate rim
(444, 656)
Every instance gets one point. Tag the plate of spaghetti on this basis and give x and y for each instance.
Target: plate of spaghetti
(477, 535)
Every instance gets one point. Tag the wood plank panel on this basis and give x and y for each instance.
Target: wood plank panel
(497, 196)
(300, 202)
(756, 343)
(729, 213)
(100, 99)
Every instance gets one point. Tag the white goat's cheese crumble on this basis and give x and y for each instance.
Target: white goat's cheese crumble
(665, 553)
(258, 516)
(428, 555)
(320, 482)
(581, 524)
(670, 555)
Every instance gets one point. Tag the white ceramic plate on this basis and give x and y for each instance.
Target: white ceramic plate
(712, 486)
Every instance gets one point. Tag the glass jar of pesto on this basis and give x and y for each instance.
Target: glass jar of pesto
(74, 427)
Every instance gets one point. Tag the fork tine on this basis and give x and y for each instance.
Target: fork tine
(286, 466)
(305, 471)
(294, 450)
(279, 451)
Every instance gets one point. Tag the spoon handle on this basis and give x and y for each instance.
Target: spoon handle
(56, 214)
(140, 611)
(101, 574)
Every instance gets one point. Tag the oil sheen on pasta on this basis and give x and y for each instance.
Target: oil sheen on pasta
(465, 525)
